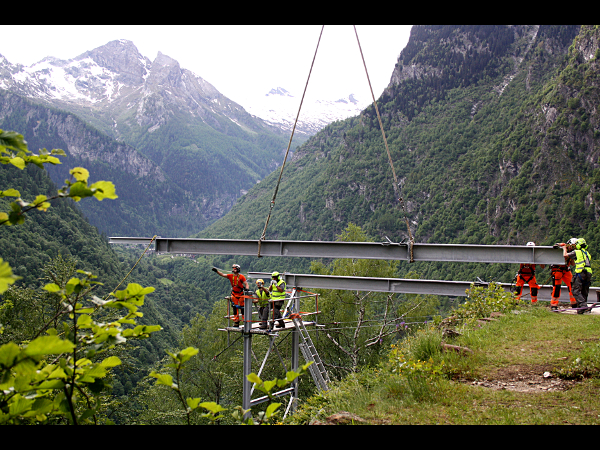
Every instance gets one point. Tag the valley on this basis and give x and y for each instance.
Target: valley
(493, 132)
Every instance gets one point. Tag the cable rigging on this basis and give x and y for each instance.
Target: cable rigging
(262, 237)
(396, 183)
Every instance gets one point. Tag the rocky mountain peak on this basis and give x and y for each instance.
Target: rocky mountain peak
(164, 60)
(121, 57)
(279, 91)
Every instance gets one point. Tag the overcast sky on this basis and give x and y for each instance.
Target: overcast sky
(241, 61)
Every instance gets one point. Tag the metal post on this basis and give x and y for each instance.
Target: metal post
(247, 387)
(295, 348)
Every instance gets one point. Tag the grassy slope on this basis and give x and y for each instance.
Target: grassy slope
(501, 382)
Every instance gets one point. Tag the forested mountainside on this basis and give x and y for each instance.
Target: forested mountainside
(493, 132)
(60, 241)
(192, 151)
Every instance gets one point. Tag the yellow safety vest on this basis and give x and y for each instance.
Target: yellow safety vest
(276, 295)
(263, 298)
(583, 261)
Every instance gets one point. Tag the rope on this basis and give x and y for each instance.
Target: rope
(136, 263)
(388, 150)
(288, 148)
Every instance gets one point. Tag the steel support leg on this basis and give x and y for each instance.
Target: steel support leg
(247, 386)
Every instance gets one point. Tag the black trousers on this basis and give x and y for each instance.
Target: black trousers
(581, 287)
(277, 313)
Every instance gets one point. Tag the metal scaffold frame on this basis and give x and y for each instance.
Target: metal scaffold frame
(301, 342)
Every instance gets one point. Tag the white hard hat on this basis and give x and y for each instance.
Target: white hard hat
(531, 244)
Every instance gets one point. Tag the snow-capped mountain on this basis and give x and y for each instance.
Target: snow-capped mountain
(118, 83)
(116, 88)
(279, 108)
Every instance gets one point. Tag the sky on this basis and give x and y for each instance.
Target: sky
(240, 61)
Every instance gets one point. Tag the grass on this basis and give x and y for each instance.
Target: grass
(479, 388)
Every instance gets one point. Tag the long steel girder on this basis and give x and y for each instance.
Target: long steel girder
(511, 254)
(407, 286)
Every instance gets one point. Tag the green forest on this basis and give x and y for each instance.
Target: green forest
(495, 142)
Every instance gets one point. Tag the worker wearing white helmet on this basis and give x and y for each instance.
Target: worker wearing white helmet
(583, 272)
(238, 284)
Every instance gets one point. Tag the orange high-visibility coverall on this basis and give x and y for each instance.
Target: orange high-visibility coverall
(525, 275)
(237, 294)
(561, 274)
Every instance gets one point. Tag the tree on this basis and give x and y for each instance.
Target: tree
(358, 322)
(13, 150)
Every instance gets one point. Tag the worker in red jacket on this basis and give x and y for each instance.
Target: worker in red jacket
(238, 287)
(526, 275)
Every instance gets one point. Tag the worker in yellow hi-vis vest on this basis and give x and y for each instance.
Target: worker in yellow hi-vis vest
(277, 290)
(583, 272)
(262, 298)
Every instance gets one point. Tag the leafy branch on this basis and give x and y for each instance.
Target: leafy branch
(214, 410)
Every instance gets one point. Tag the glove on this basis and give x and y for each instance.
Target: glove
(214, 269)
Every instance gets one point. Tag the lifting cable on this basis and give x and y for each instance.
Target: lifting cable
(288, 148)
(136, 263)
(396, 184)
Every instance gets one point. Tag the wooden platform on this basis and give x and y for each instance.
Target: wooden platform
(255, 327)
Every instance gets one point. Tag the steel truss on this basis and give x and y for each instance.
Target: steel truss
(404, 285)
(510, 254)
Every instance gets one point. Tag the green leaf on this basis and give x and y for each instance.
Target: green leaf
(17, 162)
(48, 345)
(111, 361)
(271, 409)
(104, 189)
(6, 276)
(192, 402)
(253, 378)
(41, 203)
(212, 407)
(9, 353)
(51, 287)
(13, 140)
(10, 193)
(51, 384)
(268, 385)
(164, 379)
(80, 190)
(19, 405)
(80, 174)
(186, 354)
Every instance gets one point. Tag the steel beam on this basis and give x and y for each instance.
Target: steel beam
(405, 286)
(510, 254)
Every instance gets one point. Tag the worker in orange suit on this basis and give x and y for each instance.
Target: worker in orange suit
(562, 274)
(238, 284)
(526, 275)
